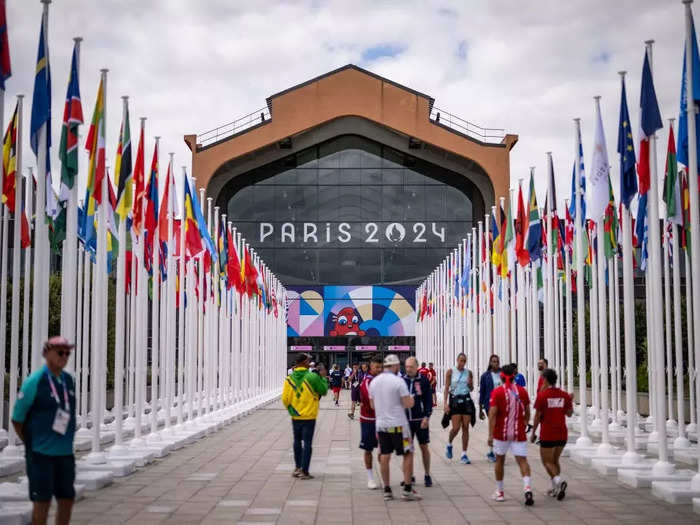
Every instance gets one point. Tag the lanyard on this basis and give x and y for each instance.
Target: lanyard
(54, 392)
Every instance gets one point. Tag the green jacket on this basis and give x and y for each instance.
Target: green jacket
(301, 393)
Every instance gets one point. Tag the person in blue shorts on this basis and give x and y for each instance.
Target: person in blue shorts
(419, 415)
(44, 419)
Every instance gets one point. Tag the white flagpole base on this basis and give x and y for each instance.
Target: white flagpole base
(12, 451)
(636, 478)
(10, 466)
(16, 511)
(99, 462)
(675, 492)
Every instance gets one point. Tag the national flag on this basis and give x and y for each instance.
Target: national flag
(625, 147)
(685, 204)
(569, 233)
(467, 269)
(649, 123)
(642, 227)
(233, 265)
(9, 162)
(582, 175)
(5, 67)
(95, 144)
(25, 230)
(72, 118)
(202, 225)
(672, 187)
(683, 115)
(497, 250)
(139, 184)
(124, 170)
(534, 231)
(193, 241)
(41, 98)
(151, 218)
(167, 207)
(521, 225)
(610, 224)
(598, 196)
(507, 254)
(251, 275)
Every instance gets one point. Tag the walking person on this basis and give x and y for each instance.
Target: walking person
(489, 380)
(509, 412)
(432, 377)
(519, 378)
(355, 381)
(300, 395)
(44, 419)
(390, 398)
(336, 383)
(368, 428)
(459, 405)
(346, 376)
(542, 365)
(552, 406)
(419, 416)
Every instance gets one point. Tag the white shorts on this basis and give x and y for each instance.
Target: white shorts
(518, 448)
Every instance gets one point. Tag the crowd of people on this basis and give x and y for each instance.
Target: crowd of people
(396, 406)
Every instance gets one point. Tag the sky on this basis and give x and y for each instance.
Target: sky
(527, 67)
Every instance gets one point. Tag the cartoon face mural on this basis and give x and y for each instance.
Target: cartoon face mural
(346, 322)
(319, 311)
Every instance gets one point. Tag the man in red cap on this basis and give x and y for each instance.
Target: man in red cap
(44, 419)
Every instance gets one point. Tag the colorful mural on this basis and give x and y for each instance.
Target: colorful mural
(317, 311)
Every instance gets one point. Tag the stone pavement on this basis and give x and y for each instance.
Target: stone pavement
(241, 474)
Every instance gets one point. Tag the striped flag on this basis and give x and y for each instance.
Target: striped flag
(193, 241)
(672, 187)
(95, 144)
(5, 67)
(123, 170)
(72, 118)
(41, 98)
(521, 226)
(534, 231)
(151, 219)
(139, 185)
(9, 162)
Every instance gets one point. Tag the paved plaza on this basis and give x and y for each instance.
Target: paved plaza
(242, 475)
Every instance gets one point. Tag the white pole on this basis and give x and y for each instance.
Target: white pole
(181, 310)
(692, 379)
(681, 441)
(604, 448)
(28, 206)
(155, 316)
(667, 325)
(12, 449)
(584, 440)
(99, 337)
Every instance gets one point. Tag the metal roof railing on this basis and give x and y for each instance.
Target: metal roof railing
(444, 118)
(250, 120)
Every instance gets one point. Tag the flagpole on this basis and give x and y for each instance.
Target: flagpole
(181, 310)
(120, 325)
(569, 316)
(28, 206)
(583, 440)
(155, 312)
(670, 422)
(99, 347)
(11, 450)
(171, 313)
(70, 246)
(662, 466)
(692, 426)
(694, 207)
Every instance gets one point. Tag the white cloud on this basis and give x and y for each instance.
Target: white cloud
(191, 66)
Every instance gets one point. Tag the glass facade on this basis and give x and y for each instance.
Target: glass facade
(351, 211)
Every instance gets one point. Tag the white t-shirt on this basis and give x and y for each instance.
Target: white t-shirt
(348, 371)
(386, 390)
(496, 376)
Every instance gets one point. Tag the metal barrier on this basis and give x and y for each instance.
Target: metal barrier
(443, 118)
(250, 120)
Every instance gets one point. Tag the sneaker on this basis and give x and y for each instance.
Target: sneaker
(305, 475)
(372, 485)
(448, 452)
(498, 496)
(410, 495)
(551, 493)
(351, 416)
(428, 481)
(529, 500)
(388, 495)
(491, 457)
(296, 473)
(561, 490)
(413, 480)
(465, 460)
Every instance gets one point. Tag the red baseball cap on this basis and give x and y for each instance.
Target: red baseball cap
(58, 341)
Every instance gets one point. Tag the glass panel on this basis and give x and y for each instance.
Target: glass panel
(401, 222)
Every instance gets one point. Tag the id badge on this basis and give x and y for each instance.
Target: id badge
(60, 422)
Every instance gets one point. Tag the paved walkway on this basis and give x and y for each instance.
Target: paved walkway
(242, 475)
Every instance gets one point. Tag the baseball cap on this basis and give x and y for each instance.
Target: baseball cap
(391, 359)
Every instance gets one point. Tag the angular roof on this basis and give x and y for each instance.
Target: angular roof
(430, 99)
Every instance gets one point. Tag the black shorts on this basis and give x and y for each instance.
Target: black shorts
(393, 442)
(422, 434)
(552, 444)
(355, 394)
(463, 406)
(50, 476)
(368, 436)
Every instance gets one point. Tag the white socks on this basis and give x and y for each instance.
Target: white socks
(499, 485)
(526, 482)
(556, 480)
(370, 475)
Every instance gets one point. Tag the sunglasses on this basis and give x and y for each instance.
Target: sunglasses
(63, 353)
